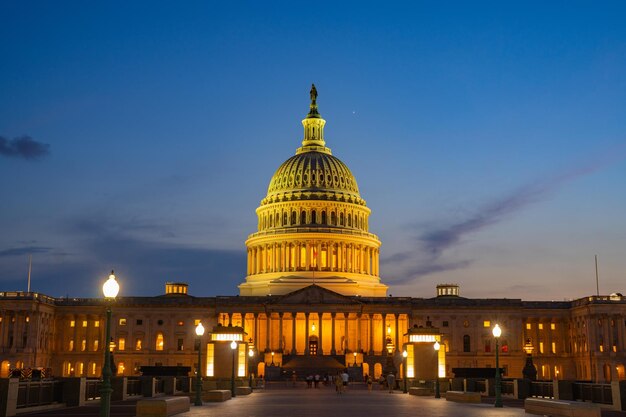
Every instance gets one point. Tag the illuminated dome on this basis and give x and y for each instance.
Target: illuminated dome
(313, 175)
(313, 226)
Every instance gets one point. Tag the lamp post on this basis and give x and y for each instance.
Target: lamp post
(437, 346)
(404, 356)
(272, 359)
(529, 370)
(250, 354)
(354, 354)
(497, 332)
(110, 290)
(199, 333)
(233, 347)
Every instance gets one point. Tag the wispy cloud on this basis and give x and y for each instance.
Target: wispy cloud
(23, 147)
(24, 251)
(432, 243)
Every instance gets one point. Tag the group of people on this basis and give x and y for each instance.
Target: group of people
(342, 378)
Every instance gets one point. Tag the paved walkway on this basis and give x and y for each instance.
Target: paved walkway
(301, 402)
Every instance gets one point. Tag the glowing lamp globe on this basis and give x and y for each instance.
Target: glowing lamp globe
(200, 330)
(111, 287)
(233, 345)
(405, 353)
(437, 346)
(497, 331)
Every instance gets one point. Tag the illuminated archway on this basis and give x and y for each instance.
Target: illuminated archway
(378, 370)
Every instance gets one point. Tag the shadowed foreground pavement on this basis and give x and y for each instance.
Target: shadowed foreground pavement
(285, 401)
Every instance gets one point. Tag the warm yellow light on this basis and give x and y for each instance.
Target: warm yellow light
(199, 330)
(405, 353)
(313, 327)
(437, 346)
(388, 329)
(233, 345)
(354, 353)
(497, 331)
(250, 352)
(111, 287)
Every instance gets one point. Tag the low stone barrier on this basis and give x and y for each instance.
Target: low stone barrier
(463, 397)
(216, 395)
(162, 407)
(557, 408)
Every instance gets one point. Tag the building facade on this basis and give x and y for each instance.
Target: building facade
(313, 297)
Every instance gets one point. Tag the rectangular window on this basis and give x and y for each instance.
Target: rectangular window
(139, 322)
(83, 345)
(241, 360)
(137, 344)
(210, 359)
(122, 322)
(553, 347)
(72, 323)
(529, 326)
(96, 323)
(601, 348)
(487, 346)
(445, 324)
(552, 326)
(84, 323)
(121, 343)
(179, 345)
(196, 322)
(71, 345)
(540, 326)
(95, 345)
(540, 347)
(614, 348)
(487, 323)
(410, 365)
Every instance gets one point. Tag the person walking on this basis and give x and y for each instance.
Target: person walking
(391, 381)
(369, 383)
(344, 379)
(338, 383)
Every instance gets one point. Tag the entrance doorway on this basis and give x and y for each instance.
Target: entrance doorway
(313, 345)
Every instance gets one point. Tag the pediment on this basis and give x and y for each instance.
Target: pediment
(314, 294)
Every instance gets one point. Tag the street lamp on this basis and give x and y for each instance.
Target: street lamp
(497, 332)
(529, 370)
(354, 353)
(233, 346)
(404, 356)
(272, 359)
(199, 333)
(437, 346)
(110, 290)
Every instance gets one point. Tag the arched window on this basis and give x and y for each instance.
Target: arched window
(313, 217)
(349, 220)
(159, 341)
(271, 221)
(294, 218)
(323, 217)
(303, 217)
(285, 219)
(333, 219)
(277, 222)
(341, 219)
(466, 343)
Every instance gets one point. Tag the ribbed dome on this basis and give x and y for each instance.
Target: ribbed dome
(313, 176)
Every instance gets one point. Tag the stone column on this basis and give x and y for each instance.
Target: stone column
(333, 351)
(384, 332)
(293, 333)
(298, 252)
(320, 348)
(318, 256)
(306, 333)
(371, 342)
(280, 332)
(345, 321)
(358, 331)
(396, 316)
(268, 324)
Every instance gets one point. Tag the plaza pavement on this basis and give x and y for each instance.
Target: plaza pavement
(356, 402)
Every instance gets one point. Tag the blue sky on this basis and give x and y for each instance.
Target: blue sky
(488, 139)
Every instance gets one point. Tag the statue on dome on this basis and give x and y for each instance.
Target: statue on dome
(313, 94)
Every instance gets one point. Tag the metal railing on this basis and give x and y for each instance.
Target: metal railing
(596, 393)
(481, 385)
(542, 389)
(159, 386)
(35, 393)
(133, 386)
(508, 387)
(92, 389)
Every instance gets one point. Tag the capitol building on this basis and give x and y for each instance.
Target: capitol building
(313, 300)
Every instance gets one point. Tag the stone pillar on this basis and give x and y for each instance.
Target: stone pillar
(308, 258)
(358, 331)
(306, 333)
(268, 341)
(321, 345)
(395, 317)
(384, 333)
(371, 346)
(256, 331)
(280, 332)
(345, 321)
(293, 333)
(318, 256)
(333, 351)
